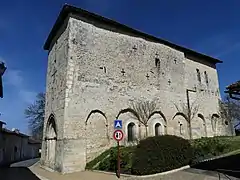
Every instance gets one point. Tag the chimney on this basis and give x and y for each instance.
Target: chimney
(1, 124)
(15, 130)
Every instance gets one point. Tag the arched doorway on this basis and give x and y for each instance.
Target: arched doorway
(131, 132)
(158, 129)
(51, 138)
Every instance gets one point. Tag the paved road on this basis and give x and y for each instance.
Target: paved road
(25, 171)
(19, 171)
(27, 163)
(228, 165)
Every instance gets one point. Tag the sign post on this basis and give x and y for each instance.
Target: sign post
(118, 161)
(118, 136)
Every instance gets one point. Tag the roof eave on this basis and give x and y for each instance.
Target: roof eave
(67, 9)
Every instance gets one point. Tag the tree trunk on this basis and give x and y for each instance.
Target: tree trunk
(190, 129)
(231, 128)
(139, 132)
(146, 127)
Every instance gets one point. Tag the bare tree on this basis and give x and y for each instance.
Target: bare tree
(35, 115)
(230, 112)
(188, 111)
(144, 110)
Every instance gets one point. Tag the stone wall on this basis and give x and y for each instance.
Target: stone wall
(56, 98)
(101, 70)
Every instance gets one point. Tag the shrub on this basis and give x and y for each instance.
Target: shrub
(161, 153)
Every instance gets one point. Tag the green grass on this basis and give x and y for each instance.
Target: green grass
(216, 146)
(101, 157)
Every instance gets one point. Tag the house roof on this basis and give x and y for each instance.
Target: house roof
(68, 9)
(234, 87)
(1, 123)
(33, 141)
(7, 131)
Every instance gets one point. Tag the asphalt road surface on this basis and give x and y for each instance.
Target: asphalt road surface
(19, 171)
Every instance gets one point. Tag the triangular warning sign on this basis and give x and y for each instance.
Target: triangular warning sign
(118, 125)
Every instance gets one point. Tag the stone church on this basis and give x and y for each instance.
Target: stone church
(97, 67)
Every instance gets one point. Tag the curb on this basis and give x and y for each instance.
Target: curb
(41, 177)
(220, 156)
(146, 176)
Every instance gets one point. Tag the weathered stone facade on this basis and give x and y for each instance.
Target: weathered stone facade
(96, 68)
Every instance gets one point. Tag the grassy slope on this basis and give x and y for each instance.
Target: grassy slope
(97, 160)
(230, 144)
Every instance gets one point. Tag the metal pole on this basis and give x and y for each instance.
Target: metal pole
(118, 161)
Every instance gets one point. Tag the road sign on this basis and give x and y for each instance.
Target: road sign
(118, 135)
(117, 124)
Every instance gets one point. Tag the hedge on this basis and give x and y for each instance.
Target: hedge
(161, 153)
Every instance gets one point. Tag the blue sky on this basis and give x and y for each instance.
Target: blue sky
(210, 27)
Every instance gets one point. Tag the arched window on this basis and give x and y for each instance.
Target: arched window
(214, 120)
(131, 128)
(158, 129)
(203, 127)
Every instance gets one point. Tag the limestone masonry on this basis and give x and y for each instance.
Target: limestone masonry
(97, 66)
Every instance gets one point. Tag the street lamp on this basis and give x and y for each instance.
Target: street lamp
(2, 70)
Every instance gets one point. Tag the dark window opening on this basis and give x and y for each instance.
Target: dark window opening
(180, 129)
(226, 123)
(198, 75)
(131, 132)
(157, 129)
(206, 77)
(157, 62)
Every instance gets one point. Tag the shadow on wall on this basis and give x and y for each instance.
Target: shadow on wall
(14, 173)
(226, 165)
